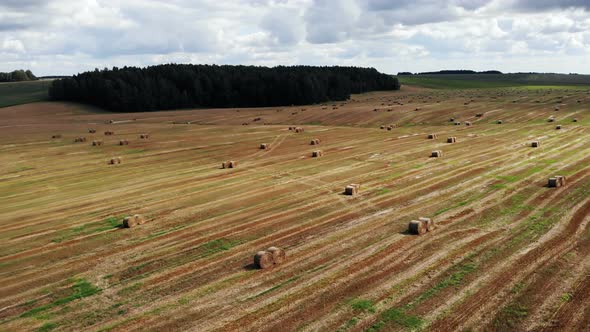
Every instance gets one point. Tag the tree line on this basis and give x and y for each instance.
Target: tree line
(17, 76)
(450, 72)
(173, 86)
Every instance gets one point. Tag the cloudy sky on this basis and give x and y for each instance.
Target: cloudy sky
(53, 37)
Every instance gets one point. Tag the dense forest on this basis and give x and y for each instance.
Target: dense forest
(17, 76)
(174, 86)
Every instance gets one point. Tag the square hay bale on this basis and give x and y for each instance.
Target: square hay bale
(263, 259)
(264, 146)
(436, 154)
(432, 136)
(229, 164)
(317, 154)
(315, 141)
(352, 189)
(428, 222)
(132, 221)
(417, 227)
(452, 139)
(115, 161)
(535, 144)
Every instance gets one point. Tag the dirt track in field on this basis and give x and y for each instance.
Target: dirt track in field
(508, 253)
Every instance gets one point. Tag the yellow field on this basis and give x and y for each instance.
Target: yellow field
(508, 253)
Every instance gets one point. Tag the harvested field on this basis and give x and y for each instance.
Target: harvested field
(507, 252)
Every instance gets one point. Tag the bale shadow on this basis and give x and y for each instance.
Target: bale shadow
(250, 267)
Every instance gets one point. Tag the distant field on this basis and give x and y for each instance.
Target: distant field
(23, 92)
(482, 81)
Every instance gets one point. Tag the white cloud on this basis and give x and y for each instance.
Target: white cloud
(69, 36)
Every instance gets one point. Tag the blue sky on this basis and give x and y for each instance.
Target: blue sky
(70, 36)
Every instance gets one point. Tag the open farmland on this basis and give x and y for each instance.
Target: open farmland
(508, 253)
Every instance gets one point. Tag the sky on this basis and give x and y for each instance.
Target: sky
(64, 37)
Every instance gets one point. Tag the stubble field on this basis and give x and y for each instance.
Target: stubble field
(508, 252)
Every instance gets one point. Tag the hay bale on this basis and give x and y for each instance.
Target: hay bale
(278, 255)
(428, 223)
(109, 133)
(557, 127)
(299, 130)
(56, 136)
(115, 161)
(144, 136)
(417, 227)
(560, 180)
(551, 120)
(132, 221)
(264, 146)
(553, 183)
(352, 189)
(123, 142)
(535, 144)
(382, 127)
(229, 164)
(96, 143)
(574, 120)
(479, 115)
(317, 154)
(432, 136)
(467, 123)
(452, 120)
(79, 139)
(499, 122)
(315, 141)
(92, 131)
(436, 154)
(263, 259)
(457, 123)
(452, 139)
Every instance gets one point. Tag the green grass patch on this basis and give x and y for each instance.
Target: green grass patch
(489, 81)
(47, 327)
(16, 93)
(89, 228)
(398, 317)
(80, 289)
(510, 316)
(362, 305)
(383, 191)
